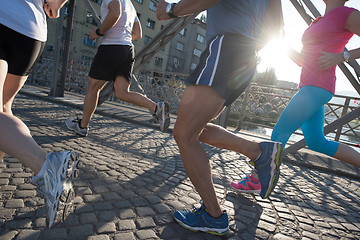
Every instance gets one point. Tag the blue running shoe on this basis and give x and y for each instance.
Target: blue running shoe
(200, 220)
(268, 166)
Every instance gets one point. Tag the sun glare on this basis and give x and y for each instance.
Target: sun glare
(274, 55)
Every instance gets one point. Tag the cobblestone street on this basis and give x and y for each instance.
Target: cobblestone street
(132, 180)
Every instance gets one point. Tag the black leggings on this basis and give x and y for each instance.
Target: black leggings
(19, 51)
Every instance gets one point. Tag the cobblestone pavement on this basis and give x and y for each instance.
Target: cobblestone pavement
(132, 179)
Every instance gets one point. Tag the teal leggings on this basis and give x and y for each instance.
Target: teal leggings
(306, 110)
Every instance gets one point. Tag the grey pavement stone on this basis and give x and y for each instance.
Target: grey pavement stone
(7, 213)
(81, 231)
(146, 234)
(15, 203)
(269, 227)
(161, 208)
(124, 236)
(144, 211)
(55, 233)
(127, 213)
(8, 235)
(105, 227)
(139, 201)
(88, 218)
(126, 225)
(40, 223)
(25, 193)
(99, 237)
(145, 222)
(132, 177)
(93, 198)
(19, 224)
(28, 234)
(106, 215)
(311, 235)
(103, 206)
(84, 208)
(122, 204)
(280, 236)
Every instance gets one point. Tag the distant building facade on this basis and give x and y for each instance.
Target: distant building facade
(181, 55)
(186, 48)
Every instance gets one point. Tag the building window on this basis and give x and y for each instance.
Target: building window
(193, 66)
(200, 38)
(66, 10)
(147, 40)
(197, 52)
(182, 32)
(177, 62)
(152, 6)
(179, 46)
(158, 61)
(88, 41)
(97, 1)
(90, 19)
(86, 60)
(150, 23)
(139, 1)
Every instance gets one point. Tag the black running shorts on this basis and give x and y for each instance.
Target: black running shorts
(111, 61)
(228, 65)
(19, 51)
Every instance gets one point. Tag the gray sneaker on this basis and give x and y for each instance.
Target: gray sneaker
(74, 125)
(162, 114)
(55, 185)
(268, 166)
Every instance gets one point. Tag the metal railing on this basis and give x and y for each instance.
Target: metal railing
(258, 106)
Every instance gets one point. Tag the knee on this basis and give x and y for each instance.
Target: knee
(181, 136)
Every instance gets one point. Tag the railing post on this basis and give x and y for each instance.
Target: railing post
(222, 120)
(243, 107)
(344, 111)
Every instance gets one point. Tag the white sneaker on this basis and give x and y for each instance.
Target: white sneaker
(74, 125)
(162, 114)
(55, 185)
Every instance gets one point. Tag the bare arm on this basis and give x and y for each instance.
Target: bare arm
(353, 25)
(52, 7)
(328, 60)
(295, 56)
(110, 20)
(136, 31)
(184, 8)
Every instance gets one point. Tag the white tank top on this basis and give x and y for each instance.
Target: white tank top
(120, 33)
(24, 16)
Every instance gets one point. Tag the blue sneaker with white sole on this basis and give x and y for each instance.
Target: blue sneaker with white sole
(268, 166)
(200, 220)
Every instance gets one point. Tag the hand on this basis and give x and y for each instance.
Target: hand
(52, 7)
(328, 60)
(93, 34)
(161, 11)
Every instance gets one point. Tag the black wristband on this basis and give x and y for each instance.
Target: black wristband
(97, 31)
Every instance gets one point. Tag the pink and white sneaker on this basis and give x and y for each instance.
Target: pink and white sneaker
(247, 185)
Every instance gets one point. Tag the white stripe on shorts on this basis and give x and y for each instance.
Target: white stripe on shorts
(207, 59)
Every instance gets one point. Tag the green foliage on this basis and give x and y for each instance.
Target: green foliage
(268, 77)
